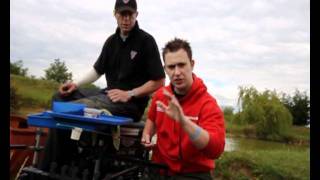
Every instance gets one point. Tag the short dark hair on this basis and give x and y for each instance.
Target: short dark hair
(175, 45)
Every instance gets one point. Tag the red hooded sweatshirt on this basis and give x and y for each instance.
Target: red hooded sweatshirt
(174, 147)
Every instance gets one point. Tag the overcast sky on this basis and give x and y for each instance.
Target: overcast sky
(260, 43)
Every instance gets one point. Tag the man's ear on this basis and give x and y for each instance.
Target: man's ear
(165, 69)
(192, 63)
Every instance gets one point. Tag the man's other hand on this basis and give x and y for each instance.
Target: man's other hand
(118, 95)
(67, 88)
(146, 141)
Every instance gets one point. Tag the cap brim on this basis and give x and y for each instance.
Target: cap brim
(126, 9)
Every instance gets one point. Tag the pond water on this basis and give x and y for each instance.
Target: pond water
(237, 143)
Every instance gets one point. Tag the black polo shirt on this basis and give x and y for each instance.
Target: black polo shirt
(131, 63)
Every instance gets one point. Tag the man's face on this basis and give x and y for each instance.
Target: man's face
(126, 21)
(179, 69)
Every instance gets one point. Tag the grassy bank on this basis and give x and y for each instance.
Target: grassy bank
(241, 164)
(260, 164)
(33, 92)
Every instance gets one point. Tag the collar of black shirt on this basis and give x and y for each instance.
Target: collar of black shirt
(132, 32)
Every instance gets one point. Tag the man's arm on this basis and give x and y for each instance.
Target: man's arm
(148, 87)
(148, 132)
(211, 140)
(67, 88)
(117, 95)
(198, 135)
(90, 77)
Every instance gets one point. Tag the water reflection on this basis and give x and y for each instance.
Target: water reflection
(236, 143)
(230, 144)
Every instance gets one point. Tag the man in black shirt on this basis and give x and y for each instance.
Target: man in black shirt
(131, 62)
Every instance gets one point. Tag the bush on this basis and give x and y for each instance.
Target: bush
(58, 72)
(299, 107)
(17, 68)
(265, 111)
(14, 100)
(228, 113)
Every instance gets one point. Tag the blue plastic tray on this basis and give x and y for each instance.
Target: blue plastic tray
(44, 120)
(102, 119)
(51, 119)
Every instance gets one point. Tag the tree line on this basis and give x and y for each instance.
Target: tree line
(57, 71)
(271, 114)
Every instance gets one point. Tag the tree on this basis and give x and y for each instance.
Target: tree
(299, 107)
(228, 110)
(228, 113)
(58, 72)
(17, 68)
(265, 111)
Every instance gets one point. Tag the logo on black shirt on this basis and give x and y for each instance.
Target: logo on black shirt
(133, 54)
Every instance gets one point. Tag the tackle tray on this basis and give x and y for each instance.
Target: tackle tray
(52, 119)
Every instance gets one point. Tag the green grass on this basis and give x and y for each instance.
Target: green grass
(33, 92)
(261, 164)
(36, 93)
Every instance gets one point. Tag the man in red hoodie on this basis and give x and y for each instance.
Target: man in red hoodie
(187, 120)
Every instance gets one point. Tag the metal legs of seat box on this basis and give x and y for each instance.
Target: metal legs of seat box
(131, 161)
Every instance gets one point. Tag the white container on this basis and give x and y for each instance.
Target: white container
(92, 112)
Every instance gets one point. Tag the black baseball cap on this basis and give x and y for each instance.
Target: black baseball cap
(125, 5)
